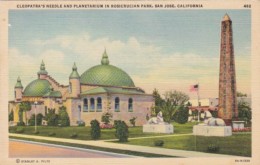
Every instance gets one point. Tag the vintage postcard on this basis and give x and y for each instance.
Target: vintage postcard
(129, 82)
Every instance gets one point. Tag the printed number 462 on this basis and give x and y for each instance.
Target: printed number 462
(247, 6)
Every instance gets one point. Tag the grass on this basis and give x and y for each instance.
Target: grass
(120, 151)
(237, 144)
(84, 132)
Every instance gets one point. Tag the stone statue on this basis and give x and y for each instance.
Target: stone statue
(157, 125)
(156, 120)
(214, 122)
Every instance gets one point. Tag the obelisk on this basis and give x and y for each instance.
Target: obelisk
(227, 75)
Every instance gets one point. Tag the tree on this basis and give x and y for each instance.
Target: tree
(95, 129)
(214, 113)
(174, 100)
(168, 110)
(106, 117)
(39, 117)
(52, 118)
(122, 131)
(20, 115)
(11, 116)
(182, 114)
(25, 107)
(63, 117)
(177, 98)
(244, 111)
(240, 94)
(158, 101)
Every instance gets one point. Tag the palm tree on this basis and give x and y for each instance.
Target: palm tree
(168, 110)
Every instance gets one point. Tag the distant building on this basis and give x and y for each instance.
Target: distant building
(100, 89)
(211, 104)
(206, 104)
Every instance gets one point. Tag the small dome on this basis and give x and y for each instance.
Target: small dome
(37, 88)
(18, 83)
(74, 74)
(42, 69)
(106, 74)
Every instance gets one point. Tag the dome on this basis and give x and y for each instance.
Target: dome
(106, 74)
(37, 88)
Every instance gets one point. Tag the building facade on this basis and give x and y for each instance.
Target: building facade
(100, 89)
(227, 75)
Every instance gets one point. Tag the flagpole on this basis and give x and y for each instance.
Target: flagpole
(198, 94)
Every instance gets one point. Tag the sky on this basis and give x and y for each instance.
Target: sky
(163, 49)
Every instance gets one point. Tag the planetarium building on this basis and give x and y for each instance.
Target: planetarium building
(100, 89)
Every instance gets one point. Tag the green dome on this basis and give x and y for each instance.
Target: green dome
(18, 83)
(37, 88)
(106, 74)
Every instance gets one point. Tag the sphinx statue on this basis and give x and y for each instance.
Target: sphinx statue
(156, 120)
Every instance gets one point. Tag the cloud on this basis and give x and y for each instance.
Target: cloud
(148, 65)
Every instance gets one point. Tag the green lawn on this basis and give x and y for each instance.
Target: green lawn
(237, 144)
(84, 132)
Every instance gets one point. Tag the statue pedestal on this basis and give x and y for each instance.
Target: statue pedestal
(158, 128)
(205, 130)
(238, 124)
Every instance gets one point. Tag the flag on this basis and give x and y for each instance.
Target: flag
(194, 88)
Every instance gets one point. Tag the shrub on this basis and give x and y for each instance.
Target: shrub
(74, 135)
(159, 143)
(182, 115)
(81, 123)
(36, 132)
(19, 130)
(213, 148)
(214, 113)
(63, 117)
(95, 129)
(116, 122)
(122, 131)
(39, 118)
(52, 134)
(132, 121)
(20, 123)
(106, 118)
(52, 118)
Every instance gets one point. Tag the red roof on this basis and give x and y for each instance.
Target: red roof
(203, 108)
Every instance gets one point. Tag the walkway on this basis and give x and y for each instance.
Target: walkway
(146, 149)
(30, 149)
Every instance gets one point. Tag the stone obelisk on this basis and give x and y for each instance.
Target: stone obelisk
(227, 75)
